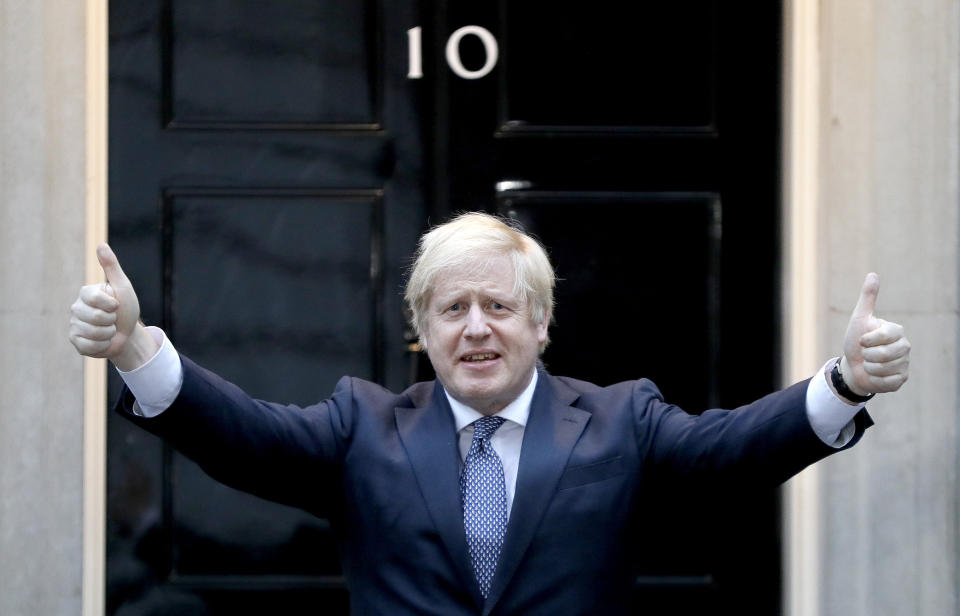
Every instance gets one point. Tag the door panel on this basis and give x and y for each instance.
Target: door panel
(252, 64)
(246, 295)
(617, 67)
(652, 262)
(246, 299)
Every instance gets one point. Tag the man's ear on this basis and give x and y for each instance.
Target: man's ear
(544, 326)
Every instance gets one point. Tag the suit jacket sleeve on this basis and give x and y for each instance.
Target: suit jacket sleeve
(268, 449)
(762, 443)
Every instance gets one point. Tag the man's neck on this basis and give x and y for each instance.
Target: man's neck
(518, 410)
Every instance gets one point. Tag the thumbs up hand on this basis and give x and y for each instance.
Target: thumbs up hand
(876, 354)
(105, 318)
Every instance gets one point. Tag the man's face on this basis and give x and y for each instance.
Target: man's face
(480, 338)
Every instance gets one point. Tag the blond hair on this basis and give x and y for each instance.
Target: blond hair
(469, 240)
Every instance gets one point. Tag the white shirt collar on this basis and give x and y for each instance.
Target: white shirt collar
(517, 411)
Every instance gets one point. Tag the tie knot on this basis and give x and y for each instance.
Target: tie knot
(484, 427)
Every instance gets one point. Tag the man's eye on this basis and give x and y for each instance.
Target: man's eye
(497, 306)
(454, 307)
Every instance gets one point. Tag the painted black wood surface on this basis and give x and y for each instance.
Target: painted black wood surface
(272, 165)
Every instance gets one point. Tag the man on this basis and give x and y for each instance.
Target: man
(499, 488)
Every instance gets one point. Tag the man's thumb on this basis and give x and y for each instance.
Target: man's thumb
(868, 296)
(111, 266)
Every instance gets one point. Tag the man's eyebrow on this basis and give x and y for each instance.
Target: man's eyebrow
(447, 295)
(445, 299)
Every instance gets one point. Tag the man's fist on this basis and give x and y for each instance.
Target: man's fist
(105, 318)
(876, 354)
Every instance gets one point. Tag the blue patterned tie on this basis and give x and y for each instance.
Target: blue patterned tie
(484, 495)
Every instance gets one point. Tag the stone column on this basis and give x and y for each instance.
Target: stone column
(42, 211)
(884, 514)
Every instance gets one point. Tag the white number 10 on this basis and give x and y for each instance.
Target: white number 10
(415, 64)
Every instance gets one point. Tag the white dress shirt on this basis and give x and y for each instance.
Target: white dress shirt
(505, 441)
(156, 384)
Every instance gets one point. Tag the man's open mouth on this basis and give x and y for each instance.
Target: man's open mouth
(479, 356)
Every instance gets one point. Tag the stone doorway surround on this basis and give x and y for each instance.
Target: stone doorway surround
(870, 184)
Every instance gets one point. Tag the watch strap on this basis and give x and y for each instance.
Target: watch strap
(841, 386)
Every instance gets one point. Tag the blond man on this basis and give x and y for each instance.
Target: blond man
(498, 488)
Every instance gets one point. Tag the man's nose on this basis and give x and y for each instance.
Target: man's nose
(477, 326)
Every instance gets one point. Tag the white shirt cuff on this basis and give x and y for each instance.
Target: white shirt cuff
(830, 416)
(155, 384)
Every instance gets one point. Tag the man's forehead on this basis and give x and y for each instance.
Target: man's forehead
(457, 284)
(490, 274)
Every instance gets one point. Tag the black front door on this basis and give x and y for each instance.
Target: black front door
(273, 163)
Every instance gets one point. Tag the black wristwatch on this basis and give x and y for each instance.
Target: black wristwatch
(841, 386)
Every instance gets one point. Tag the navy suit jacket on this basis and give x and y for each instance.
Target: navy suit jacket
(384, 467)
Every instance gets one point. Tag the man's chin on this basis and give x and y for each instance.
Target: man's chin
(478, 397)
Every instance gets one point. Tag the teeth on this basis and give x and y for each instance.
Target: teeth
(479, 357)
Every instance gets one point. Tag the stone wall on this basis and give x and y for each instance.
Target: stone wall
(42, 200)
(886, 512)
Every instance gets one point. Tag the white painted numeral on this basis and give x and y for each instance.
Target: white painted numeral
(415, 52)
(453, 52)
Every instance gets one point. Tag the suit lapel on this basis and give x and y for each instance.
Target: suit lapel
(552, 430)
(430, 439)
